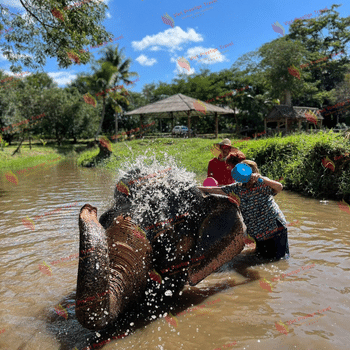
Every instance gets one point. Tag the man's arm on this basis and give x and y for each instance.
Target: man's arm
(275, 185)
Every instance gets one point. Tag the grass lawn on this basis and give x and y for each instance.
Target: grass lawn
(37, 155)
(296, 158)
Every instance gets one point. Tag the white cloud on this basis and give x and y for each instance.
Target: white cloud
(62, 78)
(2, 57)
(145, 61)
(170, 38)
(155, 48)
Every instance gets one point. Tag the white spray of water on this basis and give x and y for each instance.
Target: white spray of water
(157, 189)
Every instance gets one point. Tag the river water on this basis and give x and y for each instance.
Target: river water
(247, 305)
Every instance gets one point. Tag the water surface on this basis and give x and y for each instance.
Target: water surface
(237, 308)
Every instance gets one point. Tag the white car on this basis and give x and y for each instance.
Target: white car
(181, 130)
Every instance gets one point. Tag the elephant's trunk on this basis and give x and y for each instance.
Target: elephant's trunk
(113, 268)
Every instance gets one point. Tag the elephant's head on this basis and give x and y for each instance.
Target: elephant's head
(157, 236)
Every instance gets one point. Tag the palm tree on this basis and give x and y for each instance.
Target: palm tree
(112, 68)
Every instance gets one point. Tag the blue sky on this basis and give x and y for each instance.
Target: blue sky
(155, 46)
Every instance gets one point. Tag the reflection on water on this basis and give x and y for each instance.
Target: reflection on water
(300, 303)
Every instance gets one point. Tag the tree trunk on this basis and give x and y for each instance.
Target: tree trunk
(58, 140)
(102, 117)
(238, 128)
(18, 149)
(116, 126)
(73, 137)
(30, 142)
(287, 98)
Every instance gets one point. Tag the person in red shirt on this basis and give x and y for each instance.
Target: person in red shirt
(217, 167)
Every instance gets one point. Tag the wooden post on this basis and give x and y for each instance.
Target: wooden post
(189, 123)
(216, 125)
(265, 126)
(172, 121)
(141, 125)
(286, 126)
(299, 124)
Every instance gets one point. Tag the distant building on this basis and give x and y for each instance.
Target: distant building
(286, 116)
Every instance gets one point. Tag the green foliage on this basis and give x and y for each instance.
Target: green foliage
(66, 113)
(48, 29)
(296, 158)
(108, 72)
(283, 53)
(323, 36)
(3, 143)
(265, 71)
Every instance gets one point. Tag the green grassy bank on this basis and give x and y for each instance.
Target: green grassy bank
(37, 155)
(296, 158)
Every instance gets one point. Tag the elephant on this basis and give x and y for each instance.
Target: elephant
(160, 233)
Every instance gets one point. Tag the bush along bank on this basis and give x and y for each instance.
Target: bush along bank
(298, 159)
(294, 160)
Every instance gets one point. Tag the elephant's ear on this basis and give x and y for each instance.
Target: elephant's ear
(220, 237)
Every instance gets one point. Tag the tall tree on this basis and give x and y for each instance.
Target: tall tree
(114, 68)
(324, 37)
(51, 28)
(279, 61)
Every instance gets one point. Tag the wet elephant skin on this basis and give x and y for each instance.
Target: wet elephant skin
(151, 229)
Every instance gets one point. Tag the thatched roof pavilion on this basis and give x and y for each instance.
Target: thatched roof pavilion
(288, 115)
(180, 105)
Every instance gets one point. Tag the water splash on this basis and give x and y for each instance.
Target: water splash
(156, 187)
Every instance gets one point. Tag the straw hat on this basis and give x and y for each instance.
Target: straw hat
(225, 142)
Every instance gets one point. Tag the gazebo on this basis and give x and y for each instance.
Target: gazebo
(286, 115)
(180, 105)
